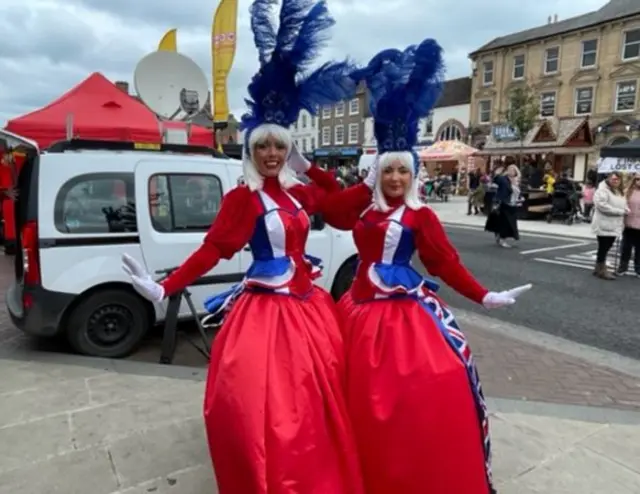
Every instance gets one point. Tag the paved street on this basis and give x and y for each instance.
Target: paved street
(564, 417)
(566, 300)
(124, 427)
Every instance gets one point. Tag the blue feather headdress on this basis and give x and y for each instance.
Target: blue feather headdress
(282, 87)
(403, 86)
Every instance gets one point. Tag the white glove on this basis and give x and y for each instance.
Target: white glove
(141, 280)
(297, 162)
(372, 175)
(495, 300)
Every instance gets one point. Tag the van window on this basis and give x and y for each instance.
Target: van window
(184, 203)
(96, 203)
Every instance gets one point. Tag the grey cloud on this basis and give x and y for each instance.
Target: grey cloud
(45, 52)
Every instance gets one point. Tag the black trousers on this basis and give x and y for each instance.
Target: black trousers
(630, 242)
(604, 246)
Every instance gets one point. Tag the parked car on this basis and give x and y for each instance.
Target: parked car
(82, 204)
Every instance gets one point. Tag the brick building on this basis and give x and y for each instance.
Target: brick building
(585, 71)
(341, 130)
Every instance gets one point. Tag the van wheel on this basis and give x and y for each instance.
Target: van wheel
(344, 279)
(108, 324)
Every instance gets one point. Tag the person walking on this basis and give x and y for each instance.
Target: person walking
(610, 207)
(631, 232)
(475, 192)
(503, 219)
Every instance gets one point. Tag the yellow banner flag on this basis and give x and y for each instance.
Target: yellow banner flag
(223, 50)
(169, 41)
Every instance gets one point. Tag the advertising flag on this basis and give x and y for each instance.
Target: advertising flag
(169, 41)
(223, 50)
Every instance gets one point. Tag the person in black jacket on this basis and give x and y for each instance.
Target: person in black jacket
(503, 219)
(474, 189)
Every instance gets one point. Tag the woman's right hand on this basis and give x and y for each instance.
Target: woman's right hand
(141, 279)
(372, 175)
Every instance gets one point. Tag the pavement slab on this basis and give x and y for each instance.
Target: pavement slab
(138, 429)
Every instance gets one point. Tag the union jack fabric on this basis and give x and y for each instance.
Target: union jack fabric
(456, 339)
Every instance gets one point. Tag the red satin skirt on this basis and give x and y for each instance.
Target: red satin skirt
(274, 407)
(410, 402)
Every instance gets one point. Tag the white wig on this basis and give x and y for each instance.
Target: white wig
(260, 134)
(411, 196)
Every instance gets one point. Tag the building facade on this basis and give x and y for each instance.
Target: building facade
(341, 130)
(585, 71)
(305, 132)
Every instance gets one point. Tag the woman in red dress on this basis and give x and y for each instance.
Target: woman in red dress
(274, 406)
(412, 387)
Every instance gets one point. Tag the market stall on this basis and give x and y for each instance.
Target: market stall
(97, 109)
(448, 157)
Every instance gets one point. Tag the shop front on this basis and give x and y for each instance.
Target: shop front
(565, 144)
(335, 157)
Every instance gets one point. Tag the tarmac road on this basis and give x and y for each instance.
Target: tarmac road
(566, 300)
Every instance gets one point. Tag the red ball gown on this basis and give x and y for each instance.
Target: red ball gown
(274, 407)
(412, 387)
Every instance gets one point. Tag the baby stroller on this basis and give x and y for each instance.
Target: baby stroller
(443, 188)
(563, 207)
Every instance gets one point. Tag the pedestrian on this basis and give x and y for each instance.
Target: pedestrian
(631, 232)
(610, 206)
(475, 192)
(503, 218)
(274, 407)
(412, 389)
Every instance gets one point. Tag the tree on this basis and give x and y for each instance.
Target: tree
(523, 112)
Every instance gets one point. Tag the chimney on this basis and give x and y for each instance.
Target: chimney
(123, 86)
(549, 20)
(555, 18)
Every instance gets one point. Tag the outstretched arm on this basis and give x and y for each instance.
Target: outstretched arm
(230, 231)
(442, 260)
(342, 209)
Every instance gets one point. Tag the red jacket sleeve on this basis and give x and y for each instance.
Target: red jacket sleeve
(342, 209)
(231, 230)
(442, 260)
(311, 195)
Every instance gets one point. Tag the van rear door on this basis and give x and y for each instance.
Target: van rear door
(177, 202)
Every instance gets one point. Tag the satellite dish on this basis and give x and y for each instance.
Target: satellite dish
(172, 85)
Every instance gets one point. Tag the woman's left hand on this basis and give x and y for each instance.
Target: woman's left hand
(495, 300)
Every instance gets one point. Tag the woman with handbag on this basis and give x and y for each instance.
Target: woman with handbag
(503, 219)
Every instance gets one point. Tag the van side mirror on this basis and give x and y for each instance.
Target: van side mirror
(317, 222)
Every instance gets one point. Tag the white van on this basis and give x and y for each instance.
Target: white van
(82, 204)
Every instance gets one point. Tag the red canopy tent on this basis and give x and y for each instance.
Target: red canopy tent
(98, 110)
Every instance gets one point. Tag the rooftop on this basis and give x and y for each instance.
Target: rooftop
(613, 10)
(455, 92)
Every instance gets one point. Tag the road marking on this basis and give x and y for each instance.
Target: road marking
(563, 263)
(548, 236)
(556, 247)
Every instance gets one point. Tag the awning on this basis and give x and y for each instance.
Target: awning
(447, 151)
(535, 150)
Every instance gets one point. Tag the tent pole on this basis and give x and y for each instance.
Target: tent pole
(69, 126)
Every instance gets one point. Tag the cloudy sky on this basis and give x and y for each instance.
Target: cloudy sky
(48, 46)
